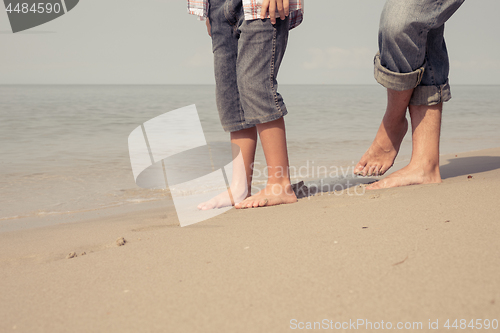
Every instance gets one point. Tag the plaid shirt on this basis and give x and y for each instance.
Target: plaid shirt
(251, 8)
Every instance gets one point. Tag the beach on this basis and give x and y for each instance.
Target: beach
(423, 254)
(113, 150)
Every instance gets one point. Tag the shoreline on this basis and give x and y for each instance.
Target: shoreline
(36, 220)
(409, 254)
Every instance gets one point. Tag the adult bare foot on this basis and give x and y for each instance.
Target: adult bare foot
(271, 195)
(409, 175)
(225, 199)
(384, 149)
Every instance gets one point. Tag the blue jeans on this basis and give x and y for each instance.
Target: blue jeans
(247, 57)
(412, 50)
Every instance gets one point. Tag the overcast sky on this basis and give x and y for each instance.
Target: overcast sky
(157, 42)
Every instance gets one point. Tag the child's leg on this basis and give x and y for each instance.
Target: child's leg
(241, 183)
(225, 48)
(247, 57)
(261, 48)
(278, 189)
(244, 143)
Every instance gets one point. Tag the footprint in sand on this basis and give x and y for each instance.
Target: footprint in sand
(120, 241)
(71, 255)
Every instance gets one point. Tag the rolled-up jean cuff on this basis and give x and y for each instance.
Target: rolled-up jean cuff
(396, 81)
(431, 95)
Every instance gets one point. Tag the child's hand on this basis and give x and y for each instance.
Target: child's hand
(209, 28)
(271, 5)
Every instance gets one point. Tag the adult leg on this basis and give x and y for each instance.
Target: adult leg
(412, 60)
(424, 164)
(426, 105)
(401, 50)
(384, 149)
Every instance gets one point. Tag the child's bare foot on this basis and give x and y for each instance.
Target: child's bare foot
(225, 199)
(409, 175)
(384, 149)
(272, 195)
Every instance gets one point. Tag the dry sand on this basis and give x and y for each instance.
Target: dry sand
(409, 254)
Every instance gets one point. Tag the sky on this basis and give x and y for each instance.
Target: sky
(157, 42)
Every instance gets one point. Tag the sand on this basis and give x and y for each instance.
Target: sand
(414, 254)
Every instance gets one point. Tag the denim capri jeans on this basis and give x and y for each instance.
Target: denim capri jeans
(412, 50)
(247, 57)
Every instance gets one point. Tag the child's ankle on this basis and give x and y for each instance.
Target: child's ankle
(283, 182)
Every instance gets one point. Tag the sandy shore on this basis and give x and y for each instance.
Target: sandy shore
(409, 254)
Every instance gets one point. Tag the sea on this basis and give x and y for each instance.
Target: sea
(64, 148)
